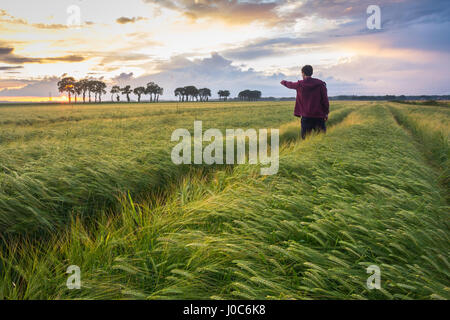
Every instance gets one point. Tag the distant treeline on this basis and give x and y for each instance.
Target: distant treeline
(86, 87)
(191, 93)
(400, 99)
(391, 98)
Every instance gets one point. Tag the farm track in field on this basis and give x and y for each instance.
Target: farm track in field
(432, 142)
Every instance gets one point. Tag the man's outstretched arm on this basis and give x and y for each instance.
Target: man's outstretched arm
(290, 85)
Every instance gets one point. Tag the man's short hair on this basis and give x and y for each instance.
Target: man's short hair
(308, 70)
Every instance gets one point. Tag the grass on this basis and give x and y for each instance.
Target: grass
(365, 193)
(430, 129)
(57, 161)
(442, 103)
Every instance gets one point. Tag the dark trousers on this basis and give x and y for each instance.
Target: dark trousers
(310, 124)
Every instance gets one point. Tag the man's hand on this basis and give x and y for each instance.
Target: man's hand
(326, 118)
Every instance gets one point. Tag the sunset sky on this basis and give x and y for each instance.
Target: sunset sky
(223, 44)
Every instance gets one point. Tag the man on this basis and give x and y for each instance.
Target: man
(312, 101)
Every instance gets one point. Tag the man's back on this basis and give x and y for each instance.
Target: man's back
(312, 98)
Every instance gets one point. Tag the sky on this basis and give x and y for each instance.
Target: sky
(224, 45)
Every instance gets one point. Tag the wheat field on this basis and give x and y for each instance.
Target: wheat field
(94, 186)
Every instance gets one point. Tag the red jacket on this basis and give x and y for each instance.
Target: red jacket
(312, 98)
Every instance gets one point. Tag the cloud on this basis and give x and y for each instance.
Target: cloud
(351, 14)
(68, 58)
(359, 75)
(267, 47)
(50, 26)
(110, 57)
(123, 79)
(6, 50)
(214, 72)
(28, 88)
(7, 56)
(124, 20)
(233, 12)
(427, 36)
(8, 18)
(3, 68)
(393, 12)
(428, 24)
(392, 75)
(273, 36)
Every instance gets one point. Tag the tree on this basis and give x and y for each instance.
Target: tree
(115, 90)
(84, 84)
(191, 91)
(151, 89)
(159, 91)
(194, 93)
(204, 94)
(223, 93)
(148, 91)
(220, 94)
(100, 87)
(180, 93)
(255, 95)
(67, 85)
(126, 90)
(243, 94)
(90, 88)
(154, 91)
(139, 91)
(249, 95)
(226, 94)
(78, 88)
(94, 89)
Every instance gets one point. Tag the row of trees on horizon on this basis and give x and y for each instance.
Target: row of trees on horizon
(87, 87)
(250, 95)
(191, 93)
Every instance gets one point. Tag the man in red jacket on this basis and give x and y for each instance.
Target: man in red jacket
(312, 101)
